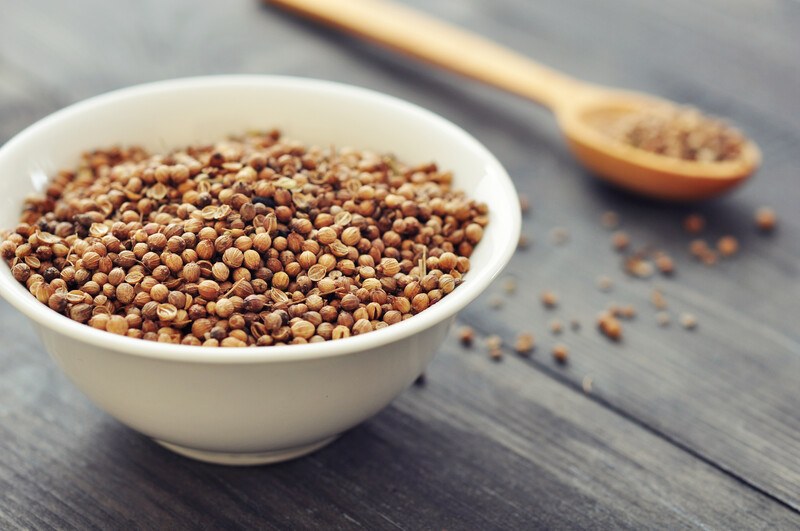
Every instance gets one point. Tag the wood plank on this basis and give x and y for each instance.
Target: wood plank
(726, 393)
(482, 445)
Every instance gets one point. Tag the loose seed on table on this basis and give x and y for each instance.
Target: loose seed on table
(549, 299)
(694, 223)
(620, 240)
(609, 220)
(609, 326)
(688, 321)
(560, 353)
(524, 344)
(559, 236)
(466, 335)
(766, 220)
(728, 246)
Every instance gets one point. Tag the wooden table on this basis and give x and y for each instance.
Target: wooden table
(680, 428)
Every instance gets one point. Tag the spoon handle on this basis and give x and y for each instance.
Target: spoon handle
(419, 35)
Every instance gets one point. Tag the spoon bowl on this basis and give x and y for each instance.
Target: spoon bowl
(638, 170)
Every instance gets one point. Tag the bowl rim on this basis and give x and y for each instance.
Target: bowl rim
(476, 281)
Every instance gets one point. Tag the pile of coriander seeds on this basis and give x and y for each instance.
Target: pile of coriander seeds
(253, 241)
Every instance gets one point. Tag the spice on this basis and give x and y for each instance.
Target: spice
(559, 236)
(688, 321)
(637, 266)
(523, 243)
(495, 302)
(620, 241)
(466, 335)
(664, 264)
(524, 204)
(253, 241)
(728, 246)
(694, 223)
(549, 299)
(609, 220)
(560, 353)
(609, 326)
(766, 220)
(494, 344)
(586, 384)
(677, 132)
(556, 327)
(510, 285)
(604, 283)
(524, 344)
(657, 299)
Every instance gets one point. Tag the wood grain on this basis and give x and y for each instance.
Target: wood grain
(682, 429)
(482, 445)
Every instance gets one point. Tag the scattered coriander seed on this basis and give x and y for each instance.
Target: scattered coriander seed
(549, 299)
(627, 312)
(494, 345)
(494, 342)
(524, 344)
(620, 240)
(586, 384)
(663, 318)
(510, 285)
(694, 223)
(604, 283)
(556, 326)
(609, 220)
(665, 264)
(657, 299)
(698, 248)
(727, 246)
(495, 302)
(766, 220)
(559, 235)
(609, 326)
(560, 353)
(524, 204)
(688, 321)
(466, 335)
(638, 266)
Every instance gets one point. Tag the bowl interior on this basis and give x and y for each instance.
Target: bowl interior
(169, 114)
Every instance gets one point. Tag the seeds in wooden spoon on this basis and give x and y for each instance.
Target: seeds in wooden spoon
(677, 132)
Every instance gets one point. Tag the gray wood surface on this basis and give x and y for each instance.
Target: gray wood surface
(681, 429)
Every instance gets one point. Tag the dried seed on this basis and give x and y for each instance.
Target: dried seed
(524, 344)
(466, 336)
(728, 246)
(694, 223)
(549, 299)
(688, 321)
(765, 219)
(609, 220)
(620, 241)
(560, 353)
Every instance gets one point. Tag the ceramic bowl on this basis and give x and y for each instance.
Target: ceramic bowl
(266, 404)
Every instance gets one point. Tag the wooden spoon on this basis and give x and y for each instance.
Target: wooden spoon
(578, 106)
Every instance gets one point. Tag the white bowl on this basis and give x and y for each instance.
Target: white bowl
(266, 404)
